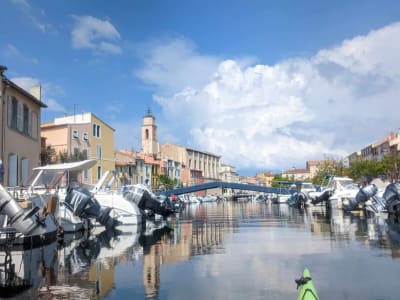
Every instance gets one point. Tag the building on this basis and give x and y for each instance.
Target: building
(296, 174)
(150, 144)
(228, 173)
(82, 136)
(187, 165)
(20, 142)
(388, 146)
(197, 166)
(265, 179)
(125, 167)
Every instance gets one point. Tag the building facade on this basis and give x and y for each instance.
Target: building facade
(228, 173)
(85, 135)
(20, 142)
(196, 166)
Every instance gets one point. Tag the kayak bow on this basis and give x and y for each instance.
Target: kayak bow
(307, 290)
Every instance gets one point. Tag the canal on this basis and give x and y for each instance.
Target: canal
(225, 250)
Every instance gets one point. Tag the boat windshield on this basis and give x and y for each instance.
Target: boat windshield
(45, 179)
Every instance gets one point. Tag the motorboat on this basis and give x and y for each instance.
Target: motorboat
(150, 205)
(76, 207)
(24, 222)
(337, 190)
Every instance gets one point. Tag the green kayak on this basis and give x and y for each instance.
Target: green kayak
(307, 290)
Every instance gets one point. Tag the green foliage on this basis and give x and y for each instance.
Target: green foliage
(47, 155)
(327, 168)
(167, 182)
(77, 155)
(277, 178)
(364, 170)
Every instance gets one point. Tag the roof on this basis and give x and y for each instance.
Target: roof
(24, 92)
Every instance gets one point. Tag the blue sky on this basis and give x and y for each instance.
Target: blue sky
(265, 84)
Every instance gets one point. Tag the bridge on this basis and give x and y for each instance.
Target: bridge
(228, 185)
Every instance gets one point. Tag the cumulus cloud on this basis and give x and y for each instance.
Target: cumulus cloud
(98, 35)
(174, 64)
(50, 91)
(35, 15)
(276, 116)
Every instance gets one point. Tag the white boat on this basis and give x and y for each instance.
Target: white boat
(337, 191)
(75, 210)
(122, 208)
(209, 198)
(28, 223)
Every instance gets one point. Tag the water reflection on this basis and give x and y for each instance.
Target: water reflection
(85, 265)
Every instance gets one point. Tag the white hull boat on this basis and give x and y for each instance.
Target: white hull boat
(31, 225)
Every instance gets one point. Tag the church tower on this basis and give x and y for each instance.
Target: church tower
(150, 145)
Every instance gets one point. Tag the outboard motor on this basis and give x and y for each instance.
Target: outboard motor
(392, 198)
(29, 222)
(84, 205)
(362, 196)
(146, 202)
(323, 197)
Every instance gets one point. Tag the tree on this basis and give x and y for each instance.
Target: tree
(365, 170)
(167, 182)
(47, 155)
(77, 155)
(277, 179)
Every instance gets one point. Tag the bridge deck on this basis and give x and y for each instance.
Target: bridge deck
(230, 185)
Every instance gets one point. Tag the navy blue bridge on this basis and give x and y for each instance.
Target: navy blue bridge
(227, 185)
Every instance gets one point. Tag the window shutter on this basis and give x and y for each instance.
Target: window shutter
(20, 117)
(10, 111)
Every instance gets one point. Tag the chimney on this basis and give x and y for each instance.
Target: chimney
(36, 91)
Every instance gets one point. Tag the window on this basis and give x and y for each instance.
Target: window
(85, 136)
(85, 153)
(86, 174)
(13, 170)
(96, 130)
(98, 151)
(98, 172)
(24, 169)
(12, 112)
(21, 118)
(34, 125)
(25, 123)
(75, 134)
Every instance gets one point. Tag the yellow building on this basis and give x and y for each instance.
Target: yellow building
(19, 130)
(83, 136)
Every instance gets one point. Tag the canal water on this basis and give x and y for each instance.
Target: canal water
(225, 250)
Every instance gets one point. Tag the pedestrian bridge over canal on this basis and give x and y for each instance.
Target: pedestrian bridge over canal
(227, 185)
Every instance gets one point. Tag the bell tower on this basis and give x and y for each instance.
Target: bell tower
(150, 143)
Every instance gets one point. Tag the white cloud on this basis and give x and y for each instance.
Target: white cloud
(49, 92)
(12, 52)
(277, 116)
(33, 14)
(174, 65)
(98, 35)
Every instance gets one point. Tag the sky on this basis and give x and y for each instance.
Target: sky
(267, 85)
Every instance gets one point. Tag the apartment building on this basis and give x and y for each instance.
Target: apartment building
(197, 166)
(20, 142)
(265, 178)
(228, 173)
(388, 146)
(84, 135)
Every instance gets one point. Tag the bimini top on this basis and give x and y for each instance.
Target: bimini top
(72, 166)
